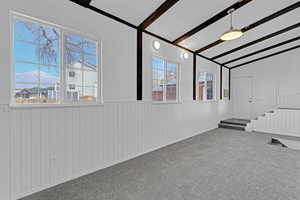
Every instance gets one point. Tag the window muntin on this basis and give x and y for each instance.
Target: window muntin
(164, 81)
(38, 69)
(36, 63)
(206, 86)
(81, 66)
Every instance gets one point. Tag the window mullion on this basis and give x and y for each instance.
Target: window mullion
(165, 82)
(62, 69)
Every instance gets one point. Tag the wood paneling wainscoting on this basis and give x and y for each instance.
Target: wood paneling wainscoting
(49, 146)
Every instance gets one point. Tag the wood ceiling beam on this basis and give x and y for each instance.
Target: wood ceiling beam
(157, 13)
(255, 24)
(101, 12)
(262, 50)
(265, 57)
(258, 40)
(212, 20)
(82, 2)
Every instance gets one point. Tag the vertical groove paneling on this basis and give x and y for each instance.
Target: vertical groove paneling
(53, 145)
(282, 121)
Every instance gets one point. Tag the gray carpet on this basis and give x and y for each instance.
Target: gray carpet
(217, 165)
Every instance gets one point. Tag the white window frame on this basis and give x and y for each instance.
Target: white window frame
(214, 86)
(63, 31)
(164, 101)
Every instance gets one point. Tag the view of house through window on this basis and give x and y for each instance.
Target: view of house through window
(164, 80)
(38, 66)
(206, 86)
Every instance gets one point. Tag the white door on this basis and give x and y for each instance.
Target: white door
(242, 97)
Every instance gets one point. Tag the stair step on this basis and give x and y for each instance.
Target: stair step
(233, 123)
(232, 126)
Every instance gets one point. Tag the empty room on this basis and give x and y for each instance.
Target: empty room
(150, 100)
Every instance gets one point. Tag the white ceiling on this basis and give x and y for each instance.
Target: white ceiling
(133, 11)
(187, 14)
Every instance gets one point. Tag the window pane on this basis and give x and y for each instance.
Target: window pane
(74, 76)
(36, 63)
(90, 62)
(158, 76)
(73, 42)
(201, 86)
(90, 47)
(206, 86)
(26, 73)
(171, 82)
(49, 93)
(49, 75)
(210, 86)
(49, 55)
(88, 94)
(89, 78)
(26, 31)
(82, 75)
(26, 93)
(49, 36)
(26, 52)
(73, 59)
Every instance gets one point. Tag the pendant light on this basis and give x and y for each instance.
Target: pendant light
(232, 33)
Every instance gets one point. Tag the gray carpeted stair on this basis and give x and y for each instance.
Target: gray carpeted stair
(236, 124)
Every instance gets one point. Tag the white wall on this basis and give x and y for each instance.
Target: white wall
(276, 81)
(42, 147)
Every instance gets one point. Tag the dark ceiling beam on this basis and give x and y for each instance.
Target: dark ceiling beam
(258, 40)
(99, 11)
(265, 57)
(82, 2)
(206, 58)
(255, 24)
(262, 50)
(157, 13)
(212, 20)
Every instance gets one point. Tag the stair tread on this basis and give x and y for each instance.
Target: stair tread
(234, 123)
(232, 126)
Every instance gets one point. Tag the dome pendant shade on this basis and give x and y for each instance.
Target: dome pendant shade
(232, 34)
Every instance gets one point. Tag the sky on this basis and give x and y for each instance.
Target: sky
(25, 51)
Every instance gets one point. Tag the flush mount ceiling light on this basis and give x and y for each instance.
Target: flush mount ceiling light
(232, 33)
(156, 44)
(185, 56)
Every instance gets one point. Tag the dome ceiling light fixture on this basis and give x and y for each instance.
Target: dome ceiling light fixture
(232, 33)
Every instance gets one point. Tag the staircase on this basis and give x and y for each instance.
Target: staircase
(235, 124)
(283, 121)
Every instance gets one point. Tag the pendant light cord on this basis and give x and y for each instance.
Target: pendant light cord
(231, 21)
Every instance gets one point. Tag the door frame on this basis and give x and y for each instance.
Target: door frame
(251, 94)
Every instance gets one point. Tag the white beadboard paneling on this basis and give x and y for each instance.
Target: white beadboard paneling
(53, 145)
(282, 121)
(5, 134)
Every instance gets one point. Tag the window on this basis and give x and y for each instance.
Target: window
(164, 81)
(42, 75)
(206, 86)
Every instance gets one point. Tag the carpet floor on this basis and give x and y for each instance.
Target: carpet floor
(217, 165)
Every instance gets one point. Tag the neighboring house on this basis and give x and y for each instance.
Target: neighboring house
(81, 82)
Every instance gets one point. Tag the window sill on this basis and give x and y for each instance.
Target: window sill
(16, 106)
(207, 101)
(166, 102)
